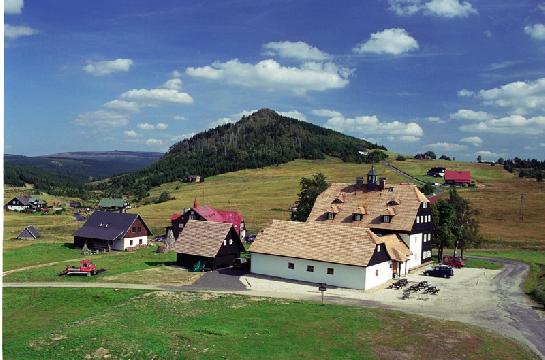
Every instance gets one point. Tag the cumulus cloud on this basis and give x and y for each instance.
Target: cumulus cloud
(122, 105)
(294, 114)
(326, 113)
(152, 97)
(101, 119)
(371, 125)
(435, 119)
(298, 50)
(161, 126)
(394, 41)
(473, 140)
(13, 7)
(440, 8)
(408, 138)
(154, 142)
(271, 75)
(466, 93)
(445, 146)
(179, 117)
(146, 126)
(520, 96)
(536, 31)
(131, 133)
(12, 32)
(233, 118)
(512, 124)
(106, 67)
(465, 114)
(488, 155)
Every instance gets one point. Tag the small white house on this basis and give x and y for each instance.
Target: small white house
(337, 255)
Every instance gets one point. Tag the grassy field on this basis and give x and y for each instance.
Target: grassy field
(534, 284)
(129, 324)
(115, 263)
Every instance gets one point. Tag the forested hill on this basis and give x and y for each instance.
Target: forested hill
(261, 139)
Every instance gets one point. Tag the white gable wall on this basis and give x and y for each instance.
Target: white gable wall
(415, 245)
(123, 244)
(355, 277)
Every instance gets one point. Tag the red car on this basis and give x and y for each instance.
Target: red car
(453, 261)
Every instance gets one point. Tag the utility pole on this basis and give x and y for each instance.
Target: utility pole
(521, 214)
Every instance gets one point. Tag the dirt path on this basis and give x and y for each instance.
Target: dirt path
(39, 266)
(491, 299)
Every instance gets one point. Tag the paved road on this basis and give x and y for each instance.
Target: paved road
(511, 313)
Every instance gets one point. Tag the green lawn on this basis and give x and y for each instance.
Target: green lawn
(38, 253)
(165, 325)
(483, 264)
(534, 285)
(114, 263)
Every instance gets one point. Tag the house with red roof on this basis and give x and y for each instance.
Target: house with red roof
(457, 177)
(207, 213)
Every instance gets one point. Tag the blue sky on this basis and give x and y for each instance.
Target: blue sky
(460, 78)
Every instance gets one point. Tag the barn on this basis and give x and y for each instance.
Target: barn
(457, 177)
(338, 255)
(213, 244)
(107, 231)
(29, 232)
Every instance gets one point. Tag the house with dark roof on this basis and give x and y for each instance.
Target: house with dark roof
(114, 204)
(23, 202)
(29, 232)
(212, 244)
(462, 178)
(207, 213)
(399, 209)
(107, 231)
(338, 255)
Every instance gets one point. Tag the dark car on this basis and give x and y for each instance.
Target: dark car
(453, 261)
(444, 271)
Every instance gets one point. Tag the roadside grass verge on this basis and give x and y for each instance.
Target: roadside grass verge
(114, 263)
(38, 253)
(483, 264)
(210, 326)
(534, 284)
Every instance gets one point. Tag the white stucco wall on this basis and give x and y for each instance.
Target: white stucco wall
(415, 244)
(344, 275)
(17, 207)
(124, 243)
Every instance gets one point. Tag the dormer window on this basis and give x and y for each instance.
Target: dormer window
(330, 215)
(394, 201)
(388, 214)
(339, 199)
(332, 211)
(359, 213)
(386, 218)
(357, 217)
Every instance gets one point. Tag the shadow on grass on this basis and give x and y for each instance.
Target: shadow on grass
(160, 263)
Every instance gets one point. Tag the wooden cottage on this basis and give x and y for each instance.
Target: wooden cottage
(29, 232)
(114, 205)
(107, 231)
(22, 203)
(213, 244)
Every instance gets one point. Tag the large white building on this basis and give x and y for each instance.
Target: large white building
(352, 257)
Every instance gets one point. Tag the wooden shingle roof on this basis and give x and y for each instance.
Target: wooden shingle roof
(395, 247)
(202, 238)
(315, 241)
(375, 203)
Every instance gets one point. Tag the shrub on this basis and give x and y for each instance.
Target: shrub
(401, 158)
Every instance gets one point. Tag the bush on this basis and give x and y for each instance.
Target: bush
(401, 158)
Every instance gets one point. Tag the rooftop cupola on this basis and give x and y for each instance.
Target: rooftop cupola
(371, 178)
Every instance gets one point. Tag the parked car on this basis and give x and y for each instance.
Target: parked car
(453, 261)
(444, 271)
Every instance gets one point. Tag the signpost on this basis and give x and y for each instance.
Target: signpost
(322, 287)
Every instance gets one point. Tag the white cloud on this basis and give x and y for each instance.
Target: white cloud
(408, 138)
(326, 113)
(294, 114)
(271, 75)
(465, 114)
(231, 119)
(521, 96)
(16, 31)
(13, 7)
(152, 97)
(371, 125)
(102, 118)
(536, 31)
(122, 105)
(473, 140)
(466, 93)
(389, 41)
(146, 126)
(440, 8)
(435, 119)
(179, 117)
(101, 68)
(541, 7)
(510, 125)
(154, 142)
(296, 50)
(161, 126)
(131, 133)
(173, 84)
(445, 146)
(177, 138)
(488, 155)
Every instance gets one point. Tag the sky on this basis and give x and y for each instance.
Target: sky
(461, 78)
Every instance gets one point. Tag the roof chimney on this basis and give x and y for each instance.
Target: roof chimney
(382, 183)
(195, 204)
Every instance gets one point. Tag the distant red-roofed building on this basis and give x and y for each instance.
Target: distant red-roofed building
(207, 213)
(457, 177)
(433, 199)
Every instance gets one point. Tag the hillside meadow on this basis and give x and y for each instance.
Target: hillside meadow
(165, 325)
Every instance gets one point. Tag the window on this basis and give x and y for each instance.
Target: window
(376, 272)
(140, 241)
(357, 217)
(310, 268)
(291, 266)
(224, 242)
(330, 271)
(180, 226)
(130, 242)
(386, 218)
(424, 205)
(230, 241)
(429, 218)
(134, 229)
(418, 219)
(139, 228)
(330, 216)
(378, 248)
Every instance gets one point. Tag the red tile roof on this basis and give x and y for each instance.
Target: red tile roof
(458, 176)
(211, 214)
